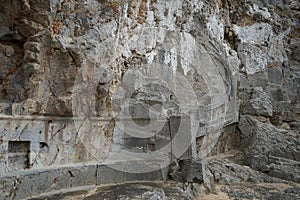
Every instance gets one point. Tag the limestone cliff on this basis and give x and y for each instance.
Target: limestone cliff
(95, 87)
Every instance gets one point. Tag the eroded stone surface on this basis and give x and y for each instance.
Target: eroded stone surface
(143, 52)
(104, 81)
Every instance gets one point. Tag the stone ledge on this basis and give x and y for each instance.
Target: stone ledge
(60, 193)
(35, 182)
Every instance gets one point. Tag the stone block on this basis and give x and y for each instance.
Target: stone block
(83, 175)
(259, 104)
(275, 75)
(135, 170)
(34, 182)
(182, 138)
(259, 79)
(190, 171)
(159, 136)
(252, 58)
(5, 108)
(23, 130)
(107, 174)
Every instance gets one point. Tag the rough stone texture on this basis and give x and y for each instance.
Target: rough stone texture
(190, 171)
(68, 59)
(243, 182)
(37, 182)
(146, 190)
(271, 150)
(142, 82)
(31, 183)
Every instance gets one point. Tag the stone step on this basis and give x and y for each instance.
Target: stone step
(24, 184)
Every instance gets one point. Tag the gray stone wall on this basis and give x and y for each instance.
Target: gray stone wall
(117, 81)
(105, 79)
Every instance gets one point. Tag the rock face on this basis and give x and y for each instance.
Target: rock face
(106, 81)
(138, 85)
(272, 150)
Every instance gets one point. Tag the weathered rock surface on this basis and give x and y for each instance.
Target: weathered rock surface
(270, 150)
(145, 84)
(243, 182)
(87, 81)
(146, 190)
